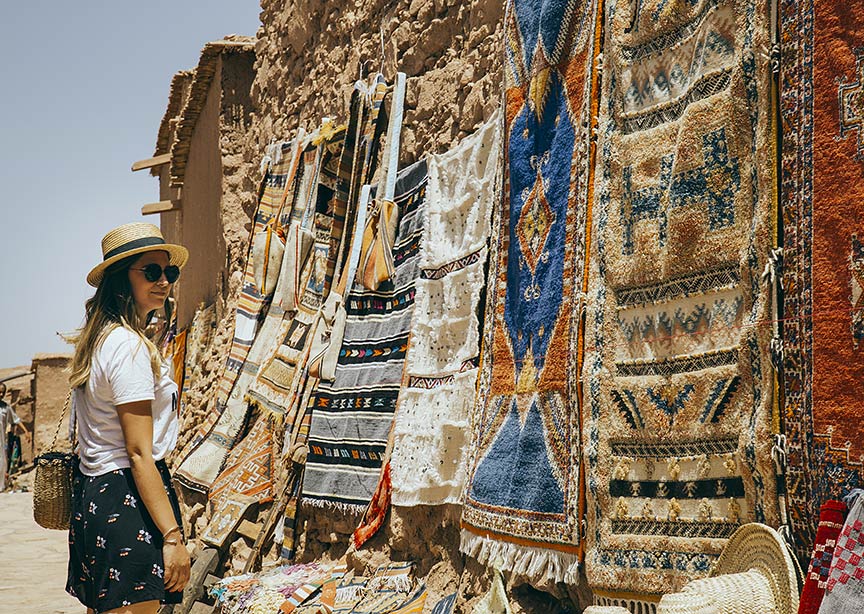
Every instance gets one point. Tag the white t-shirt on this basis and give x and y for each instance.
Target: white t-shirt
(120, 373)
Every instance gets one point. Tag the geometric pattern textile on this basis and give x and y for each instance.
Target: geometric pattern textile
(678, 376)
(821, 196)
(844, 589)
(432, 421)
(215, 435)
(522, 493)
(352, 416)
(248, 468)
(830, 523)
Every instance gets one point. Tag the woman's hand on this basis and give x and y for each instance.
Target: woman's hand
(177, 564)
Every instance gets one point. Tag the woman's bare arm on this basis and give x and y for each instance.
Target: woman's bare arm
(136, 420)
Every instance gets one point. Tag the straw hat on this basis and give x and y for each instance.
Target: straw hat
(754, 575)
(605, 609)
(132, 239)
(687, 603)
(760, 548)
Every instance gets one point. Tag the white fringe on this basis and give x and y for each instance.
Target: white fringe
(317, 505)
(538, 565)
(402, 583)
(352, 593)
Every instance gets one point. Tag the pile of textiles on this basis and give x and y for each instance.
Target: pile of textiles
(268, 591)
(314, 588)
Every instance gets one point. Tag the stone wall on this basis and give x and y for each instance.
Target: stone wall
(50, 387)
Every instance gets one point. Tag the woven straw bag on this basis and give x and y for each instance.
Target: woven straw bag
(52, 486)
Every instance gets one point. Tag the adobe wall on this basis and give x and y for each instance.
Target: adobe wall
(201, 230)
(50, 387)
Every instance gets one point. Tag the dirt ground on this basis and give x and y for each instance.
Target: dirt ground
(32, 562)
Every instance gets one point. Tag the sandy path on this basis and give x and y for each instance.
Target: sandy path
(32, 562)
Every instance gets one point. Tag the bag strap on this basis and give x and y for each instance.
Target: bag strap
(72, 425)
(296, 152)
(356, 243)
(394, 135)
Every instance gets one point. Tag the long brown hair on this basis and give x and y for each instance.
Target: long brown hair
(110, 307)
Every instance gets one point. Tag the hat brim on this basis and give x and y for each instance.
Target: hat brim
(759, 547)
(177, 254)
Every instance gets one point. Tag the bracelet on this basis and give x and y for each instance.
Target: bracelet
(169, 532)
(172, 542)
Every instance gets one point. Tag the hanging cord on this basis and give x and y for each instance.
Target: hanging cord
(773, 274)
(780, 455)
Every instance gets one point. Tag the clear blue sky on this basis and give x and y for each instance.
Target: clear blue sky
(83, 86)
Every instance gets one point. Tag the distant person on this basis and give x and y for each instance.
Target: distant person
(126, 543)
(8, 419)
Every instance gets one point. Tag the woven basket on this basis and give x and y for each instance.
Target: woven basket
(52, 490)
(52, 486)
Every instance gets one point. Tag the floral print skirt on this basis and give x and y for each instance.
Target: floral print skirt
(115, 549)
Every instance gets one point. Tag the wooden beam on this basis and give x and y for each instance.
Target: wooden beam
(161, 207)
(140, 165)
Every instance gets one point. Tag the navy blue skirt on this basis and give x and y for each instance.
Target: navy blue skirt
(115, 549)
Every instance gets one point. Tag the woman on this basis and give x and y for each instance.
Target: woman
(126, 548)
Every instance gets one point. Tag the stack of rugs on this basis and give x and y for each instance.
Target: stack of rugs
(315, 588)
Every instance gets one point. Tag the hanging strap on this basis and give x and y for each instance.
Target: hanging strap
(343, 286)
(296, 152)
(394, 134)
(68, 407)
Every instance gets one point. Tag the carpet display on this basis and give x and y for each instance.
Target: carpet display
(214, 438)
(432, 424)
(522, 490)
(353, 415)
(248, 468)
(821, 81)
(678, 375)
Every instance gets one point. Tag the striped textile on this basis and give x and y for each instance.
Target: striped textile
(299, 596)
(288, 539)
(390, 589)
(353, 415)
(215, 435)
(445, 605)
(356, 165)
(278, 381)
(348, 593)
(415, 603)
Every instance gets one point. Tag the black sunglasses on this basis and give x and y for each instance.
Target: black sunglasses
(153, 272)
